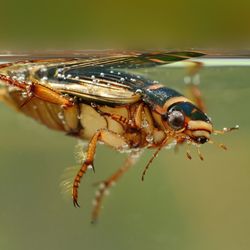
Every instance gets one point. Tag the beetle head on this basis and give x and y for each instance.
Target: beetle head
(186, 118)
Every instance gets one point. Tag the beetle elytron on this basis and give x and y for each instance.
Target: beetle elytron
(94, 98)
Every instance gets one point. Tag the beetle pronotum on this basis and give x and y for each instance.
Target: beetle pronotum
(95, 98)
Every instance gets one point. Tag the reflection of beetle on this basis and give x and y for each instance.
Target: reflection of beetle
(95, 98)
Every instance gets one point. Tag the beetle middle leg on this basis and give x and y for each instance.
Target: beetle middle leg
(108, 137)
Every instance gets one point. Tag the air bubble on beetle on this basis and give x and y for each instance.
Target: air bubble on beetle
(138, 91)
(21, 77)
(107, 192)
(61, 116)
(171, 145)
(144, 124)
(111, 72)
(102, 186)
(132, 79)
(24, 94)
(122, 79)
(90, 167)
(93, 105)
(68, 76)
(77, 78)
(102, 74)
(44, 79)
(43, 69)
(92, 77)
(150, 138)
(155, 82)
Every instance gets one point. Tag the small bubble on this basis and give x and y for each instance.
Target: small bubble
(102, 74)
(93, 105)
(24, 94)
(138, 91)
(144, 124)
(102, 186)
(171, 145)
(44, 79)
(149, 138)
(107, 192)
(61, 116)
(90, 167)
(44, 69)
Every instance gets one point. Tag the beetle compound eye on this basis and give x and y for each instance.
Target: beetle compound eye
(202, 139)
(176, 119)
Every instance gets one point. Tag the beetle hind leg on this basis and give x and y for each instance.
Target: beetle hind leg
(104, 186)
(108, 137)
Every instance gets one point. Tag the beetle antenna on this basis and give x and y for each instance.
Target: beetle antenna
(152, 158)
(188, 154)
(199, 152)
(220, 145)
(226, 130)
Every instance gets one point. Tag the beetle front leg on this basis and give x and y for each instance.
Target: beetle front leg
(193, 80)
(108, 137)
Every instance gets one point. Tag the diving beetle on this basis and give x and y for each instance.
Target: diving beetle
(95, 98)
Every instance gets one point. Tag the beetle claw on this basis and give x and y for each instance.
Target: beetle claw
(75, 203)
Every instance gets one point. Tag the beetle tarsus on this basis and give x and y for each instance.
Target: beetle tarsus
(104, 186)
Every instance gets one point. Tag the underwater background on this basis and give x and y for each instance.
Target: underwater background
(182, 204)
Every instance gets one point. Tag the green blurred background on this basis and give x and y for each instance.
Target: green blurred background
(182, 204)
(135, 24)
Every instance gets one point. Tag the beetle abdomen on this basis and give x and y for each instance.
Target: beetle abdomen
(81, 120)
